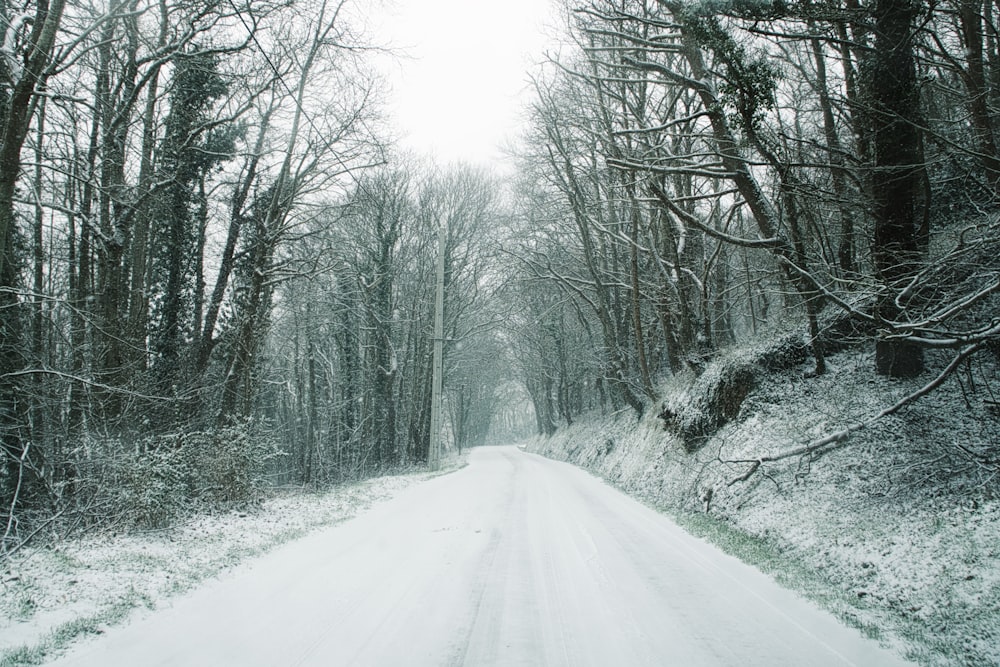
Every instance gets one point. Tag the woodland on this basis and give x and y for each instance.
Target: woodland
(217, 272)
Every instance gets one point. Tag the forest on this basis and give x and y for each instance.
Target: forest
(217, 271)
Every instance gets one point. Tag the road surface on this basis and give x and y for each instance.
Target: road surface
(513, 560)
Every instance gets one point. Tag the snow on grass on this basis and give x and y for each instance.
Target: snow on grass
(897, 531)
(50, 595)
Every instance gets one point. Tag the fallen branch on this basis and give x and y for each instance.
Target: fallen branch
(830, 442)
(754, 465)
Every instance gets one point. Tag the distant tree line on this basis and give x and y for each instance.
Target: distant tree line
(349, 382)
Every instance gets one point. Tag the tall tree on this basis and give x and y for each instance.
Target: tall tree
(897, 177)
(186, 153)
(24, 71)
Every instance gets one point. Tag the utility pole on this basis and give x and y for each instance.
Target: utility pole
(434, 453)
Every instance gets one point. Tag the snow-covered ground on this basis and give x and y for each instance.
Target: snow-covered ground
(53, 594)
(897, 531)
(513, 560)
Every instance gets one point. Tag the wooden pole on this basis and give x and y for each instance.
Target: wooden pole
(434, 455)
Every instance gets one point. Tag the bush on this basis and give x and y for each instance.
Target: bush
(166, 475)
(152, 485)
(229, 464)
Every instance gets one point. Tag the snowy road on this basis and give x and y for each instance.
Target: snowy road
(513, 560)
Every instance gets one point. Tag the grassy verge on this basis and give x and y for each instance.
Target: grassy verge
(62, 635)
(937, 639)
(766, 555)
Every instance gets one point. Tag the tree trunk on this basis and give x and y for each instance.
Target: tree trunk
(38, 399)
(974, 76)
(236, 217)
(845, 244)
(897, 177)
(15, 126)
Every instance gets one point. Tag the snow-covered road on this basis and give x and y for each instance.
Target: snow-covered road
(513, 560)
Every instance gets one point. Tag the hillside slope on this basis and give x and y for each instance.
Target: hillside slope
(895, 529)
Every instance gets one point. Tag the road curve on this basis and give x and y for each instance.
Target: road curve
(513, 560)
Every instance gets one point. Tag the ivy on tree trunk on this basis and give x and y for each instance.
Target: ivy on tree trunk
(897, 176)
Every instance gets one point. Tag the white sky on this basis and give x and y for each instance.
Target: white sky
(459, 93)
